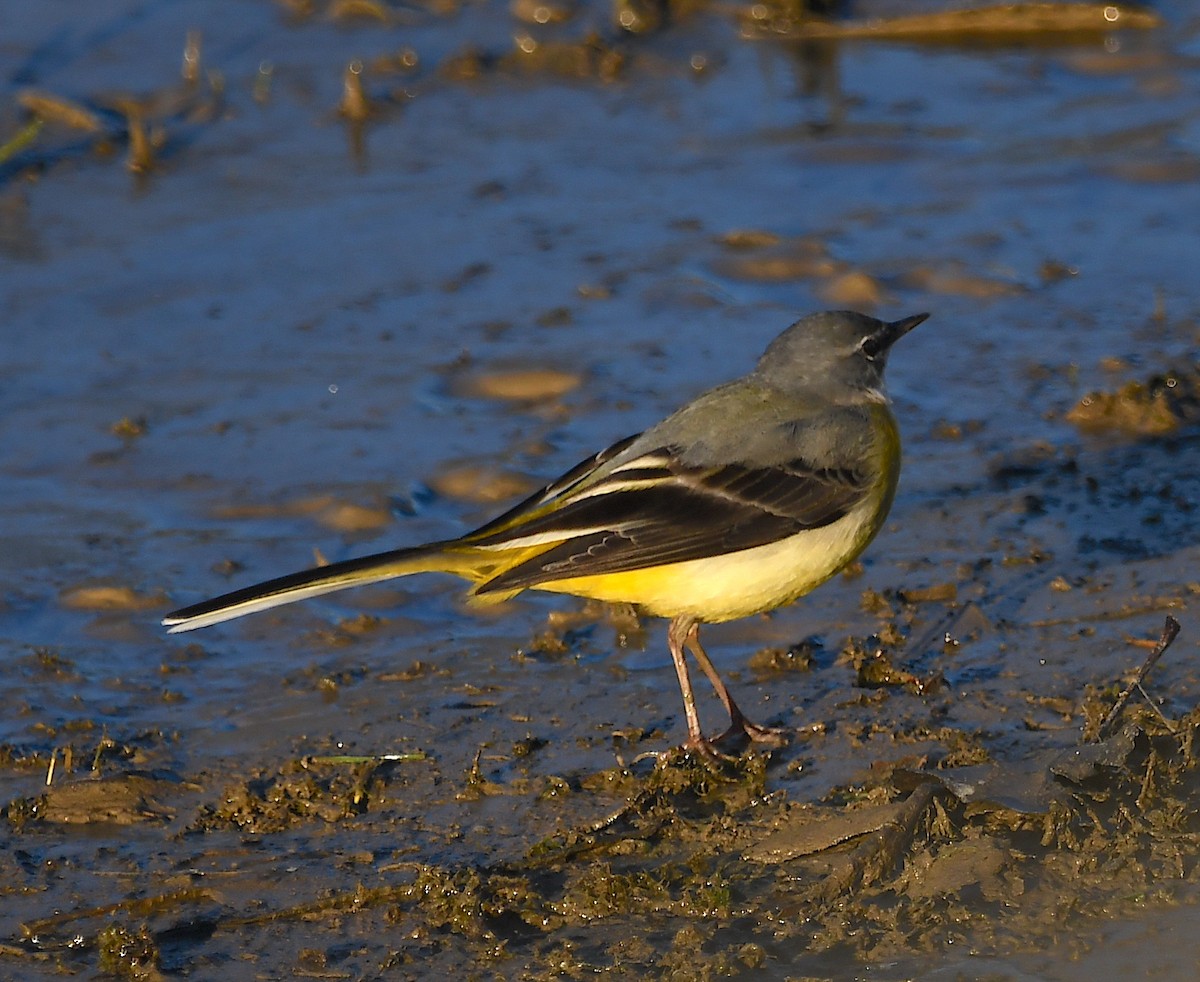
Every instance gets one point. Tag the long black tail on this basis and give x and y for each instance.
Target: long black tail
(314, 582)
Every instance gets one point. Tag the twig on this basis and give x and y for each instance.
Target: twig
(1170, 632)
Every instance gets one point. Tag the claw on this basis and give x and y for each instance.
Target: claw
(707, 751)
(771, 736)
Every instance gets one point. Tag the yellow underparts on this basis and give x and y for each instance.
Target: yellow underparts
(738, 584)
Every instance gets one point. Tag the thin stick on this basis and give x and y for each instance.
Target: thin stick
(1170, 632)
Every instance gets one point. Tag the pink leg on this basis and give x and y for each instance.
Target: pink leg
(739, 725)
(677, 633)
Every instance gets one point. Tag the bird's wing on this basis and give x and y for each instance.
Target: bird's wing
(653, 509)
(536, 502)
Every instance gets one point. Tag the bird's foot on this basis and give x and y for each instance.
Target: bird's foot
(771, 736)
(697, 750)
(705, 750)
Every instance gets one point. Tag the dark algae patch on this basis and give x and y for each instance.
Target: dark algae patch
(128, 954)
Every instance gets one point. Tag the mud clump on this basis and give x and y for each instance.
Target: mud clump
(1159, 406)
(302, 791)
(123, 799)
(767, 662)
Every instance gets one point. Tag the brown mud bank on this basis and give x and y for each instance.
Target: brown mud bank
(349, 866)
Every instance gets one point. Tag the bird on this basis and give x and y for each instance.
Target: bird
(745, 499)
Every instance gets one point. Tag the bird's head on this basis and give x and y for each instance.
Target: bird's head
(838, 354)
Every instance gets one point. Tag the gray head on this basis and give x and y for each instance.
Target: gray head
(839, 353)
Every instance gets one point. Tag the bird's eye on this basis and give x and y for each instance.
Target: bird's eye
(870, 346)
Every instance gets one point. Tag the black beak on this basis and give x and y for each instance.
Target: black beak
(889, 333)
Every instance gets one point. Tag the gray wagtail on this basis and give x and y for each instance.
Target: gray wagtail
(746, 498)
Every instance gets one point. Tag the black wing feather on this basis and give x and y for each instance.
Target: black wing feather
(691, 513)
(502, 523)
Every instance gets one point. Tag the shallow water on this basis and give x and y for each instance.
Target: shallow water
(294, 321)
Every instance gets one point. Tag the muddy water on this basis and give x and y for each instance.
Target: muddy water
(243, 329)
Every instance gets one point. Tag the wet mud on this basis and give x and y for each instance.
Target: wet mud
(283, 283)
